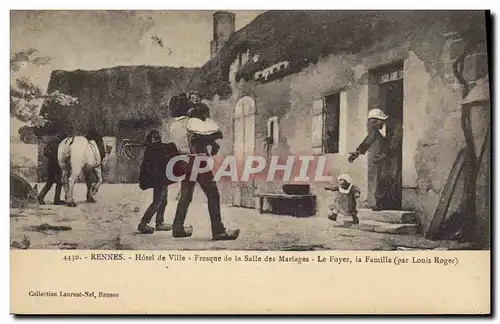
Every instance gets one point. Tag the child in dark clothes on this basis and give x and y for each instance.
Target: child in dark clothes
(345, 202)
(152, 175)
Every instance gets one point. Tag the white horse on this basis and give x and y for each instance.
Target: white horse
(77, 154)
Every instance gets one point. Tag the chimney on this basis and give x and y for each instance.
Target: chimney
(223, 29)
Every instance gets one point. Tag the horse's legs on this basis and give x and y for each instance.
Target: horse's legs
(88, 181)
(70, 201)
(64, 181)
(98, 173)
(75, 172)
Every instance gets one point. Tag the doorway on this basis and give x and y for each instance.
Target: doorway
(244, 145)
(390, 99)
(332, 123)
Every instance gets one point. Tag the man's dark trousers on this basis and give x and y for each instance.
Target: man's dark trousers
(209, 187)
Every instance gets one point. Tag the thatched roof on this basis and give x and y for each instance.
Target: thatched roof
(302, 37)
(109, 98)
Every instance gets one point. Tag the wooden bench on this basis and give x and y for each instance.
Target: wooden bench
(283, 204)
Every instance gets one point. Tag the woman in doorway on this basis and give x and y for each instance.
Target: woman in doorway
(387, 162)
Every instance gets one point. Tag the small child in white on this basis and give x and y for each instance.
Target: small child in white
(345, 202)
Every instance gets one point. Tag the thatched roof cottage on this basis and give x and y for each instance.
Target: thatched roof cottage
(307, 79)
(120, 102)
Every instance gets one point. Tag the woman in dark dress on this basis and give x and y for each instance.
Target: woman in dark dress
(388, 162)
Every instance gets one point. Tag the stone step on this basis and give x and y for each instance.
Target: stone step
(378, 227)
(388, 216)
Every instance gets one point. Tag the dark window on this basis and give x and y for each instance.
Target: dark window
(332, 123)
(390, 73)
(390, 90)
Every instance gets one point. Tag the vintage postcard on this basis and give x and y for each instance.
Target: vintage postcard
(250, 162)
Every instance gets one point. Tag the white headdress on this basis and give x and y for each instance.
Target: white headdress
(347, 179)
(377, 114)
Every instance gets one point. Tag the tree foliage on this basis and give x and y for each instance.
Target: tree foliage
(26, 97)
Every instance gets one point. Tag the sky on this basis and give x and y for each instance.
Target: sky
(91, 40)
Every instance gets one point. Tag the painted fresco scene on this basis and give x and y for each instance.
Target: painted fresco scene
(250, 130)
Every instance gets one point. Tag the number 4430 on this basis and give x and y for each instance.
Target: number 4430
(71, 257)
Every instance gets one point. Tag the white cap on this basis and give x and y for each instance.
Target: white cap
(377, 114)
(345, 177)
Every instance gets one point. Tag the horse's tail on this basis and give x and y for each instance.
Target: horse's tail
(74, 157)
(63, 153)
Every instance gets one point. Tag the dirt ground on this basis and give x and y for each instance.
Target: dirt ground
(111, 223)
